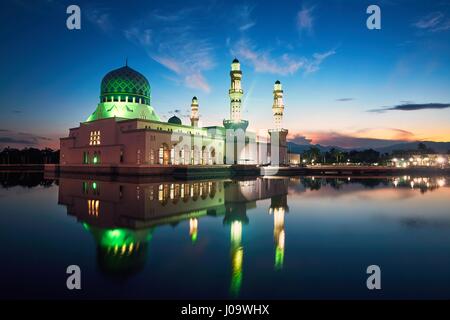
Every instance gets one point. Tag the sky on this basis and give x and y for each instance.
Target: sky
(344, 84)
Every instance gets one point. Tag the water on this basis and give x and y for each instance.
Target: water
(278, 238)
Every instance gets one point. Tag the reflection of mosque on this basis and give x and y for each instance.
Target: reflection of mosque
(122, 215)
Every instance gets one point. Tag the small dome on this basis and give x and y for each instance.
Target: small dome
(235, 60)
(174, 120)
(194, 98)
(125, 82)
(277, 82)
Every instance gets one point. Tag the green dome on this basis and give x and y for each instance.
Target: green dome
(174, 120)
(125, 82)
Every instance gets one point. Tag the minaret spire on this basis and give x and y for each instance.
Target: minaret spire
(235, 91)
(278, 105)
(194, 112)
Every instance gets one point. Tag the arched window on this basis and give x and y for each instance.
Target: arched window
(164, 154)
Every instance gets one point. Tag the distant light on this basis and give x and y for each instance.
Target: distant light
(395, 159)
(441, 182)
(440, 160)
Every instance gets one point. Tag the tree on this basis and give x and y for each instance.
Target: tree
(421, 147)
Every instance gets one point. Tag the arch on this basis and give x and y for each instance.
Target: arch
(212, 189)
(195, 155)
(212, 156)
(185, 192)
(164, 154)
(172, 156)
(205, 155)
(203, 190)
(163, 193)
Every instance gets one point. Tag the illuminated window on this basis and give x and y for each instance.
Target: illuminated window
(94, 138)
(85, 187)
(93, 207)
(95, 188)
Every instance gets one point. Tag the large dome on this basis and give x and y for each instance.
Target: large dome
(126, 85)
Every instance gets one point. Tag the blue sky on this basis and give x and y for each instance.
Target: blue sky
(344, 84)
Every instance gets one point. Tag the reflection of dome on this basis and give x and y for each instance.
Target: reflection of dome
(125, 82)
(174, 120)
(235, 60)
(120, 252)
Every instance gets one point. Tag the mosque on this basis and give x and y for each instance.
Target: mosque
(125, 130)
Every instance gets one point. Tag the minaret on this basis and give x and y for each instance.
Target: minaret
(235, 91)
(278, 135)
(278, 105)
(194, 112)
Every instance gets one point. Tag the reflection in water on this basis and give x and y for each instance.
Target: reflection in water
(278, 207)
(237, 257)
(423, 184)
(122, 216)
(193, 229)
(120, 251)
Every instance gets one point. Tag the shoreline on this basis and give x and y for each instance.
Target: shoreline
(219, 171)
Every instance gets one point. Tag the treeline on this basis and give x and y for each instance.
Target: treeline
(28, 156)
(369, 156)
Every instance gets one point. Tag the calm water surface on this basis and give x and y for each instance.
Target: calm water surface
(274, 238)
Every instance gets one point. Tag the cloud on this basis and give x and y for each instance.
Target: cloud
(143, 37)
(300, 139)
(318, 58)
(242, 17)
(305, 19)
(247, 26)
(17, 141)
(100, 17)
(285, 64)
(434, 22)
(20, 138)
(363, 138)
(345, 99)
(173, 41)
(412, 107)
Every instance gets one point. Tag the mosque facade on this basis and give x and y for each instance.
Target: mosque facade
(125, 130)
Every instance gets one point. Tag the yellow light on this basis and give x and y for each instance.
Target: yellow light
(441, 182)
(281, 239)
(236, 232)
(440, 160)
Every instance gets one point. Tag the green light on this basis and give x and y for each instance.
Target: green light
(279, 258)
(95, 160)
(94, 185)
(236, 270)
